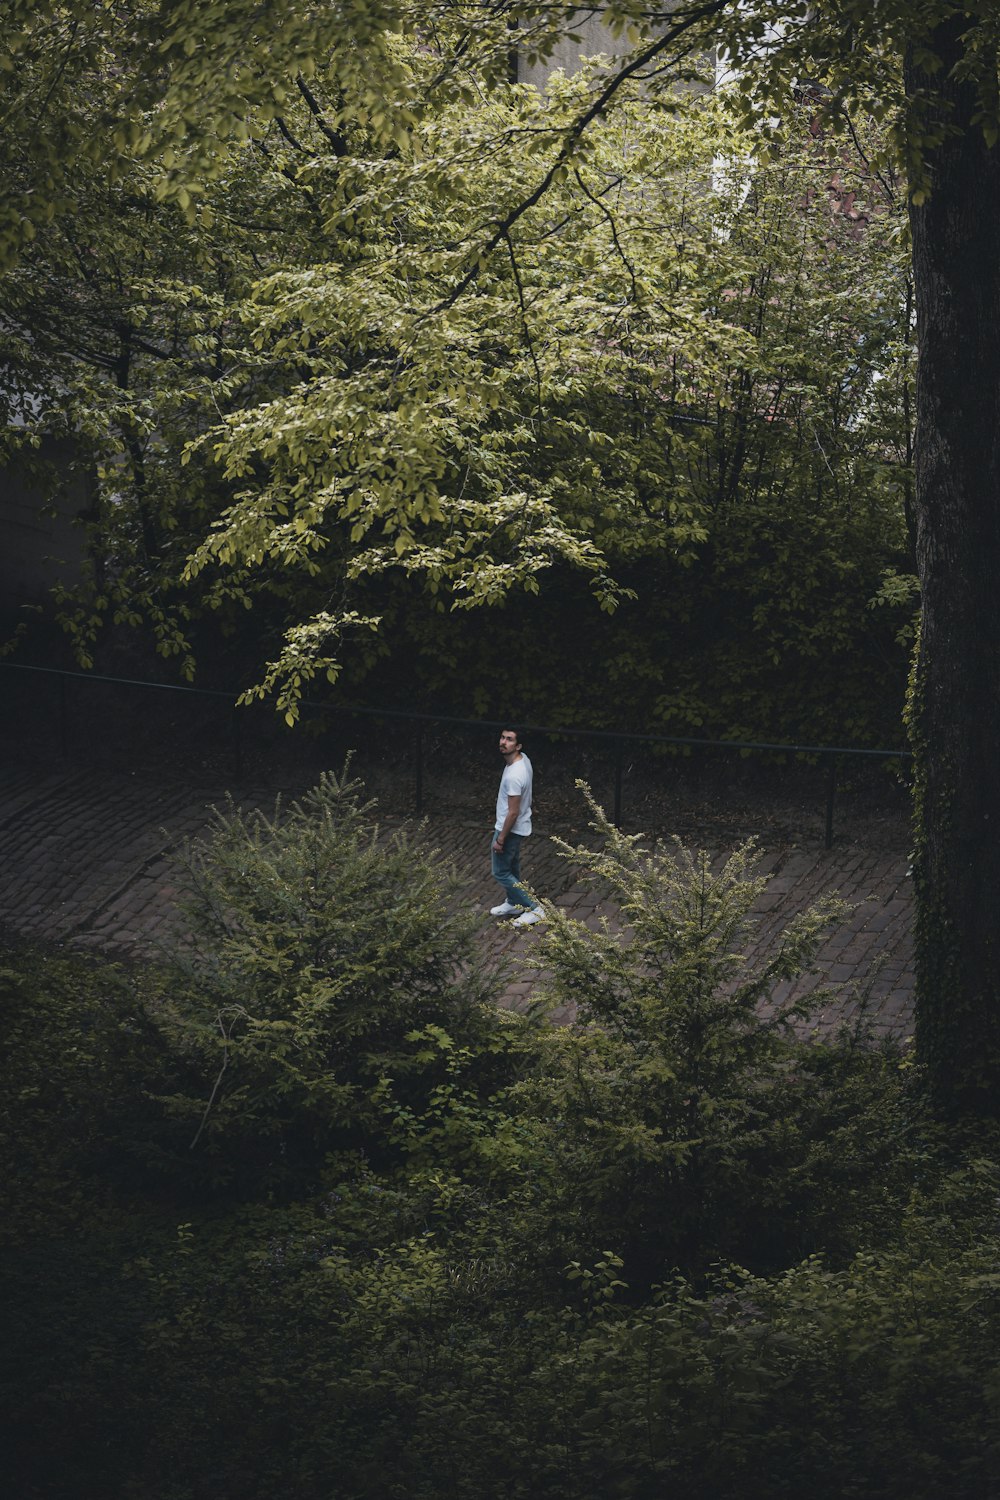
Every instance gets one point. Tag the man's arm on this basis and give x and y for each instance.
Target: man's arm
(513, 812)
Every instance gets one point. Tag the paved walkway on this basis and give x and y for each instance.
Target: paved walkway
(86, 861)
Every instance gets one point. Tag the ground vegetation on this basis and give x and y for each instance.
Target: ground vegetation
(371, 1236)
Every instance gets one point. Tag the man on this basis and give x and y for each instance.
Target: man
(513, 825)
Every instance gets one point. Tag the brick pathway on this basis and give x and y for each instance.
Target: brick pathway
(86, 860)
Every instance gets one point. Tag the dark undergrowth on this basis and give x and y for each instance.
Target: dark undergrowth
(300, 1212)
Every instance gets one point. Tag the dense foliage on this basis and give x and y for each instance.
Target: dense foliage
(308, 419)
(403, 1244)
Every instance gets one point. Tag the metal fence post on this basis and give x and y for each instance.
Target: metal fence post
(63, 715)
(831, 792)
(619, 759)
(236, 741)
(419, 792)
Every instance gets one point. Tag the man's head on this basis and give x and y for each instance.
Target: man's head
(510, 741)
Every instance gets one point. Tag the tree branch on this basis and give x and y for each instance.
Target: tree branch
(571, 140)
(610, 219)
(524, 318)
(337, 141)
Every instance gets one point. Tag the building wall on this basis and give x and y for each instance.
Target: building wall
(593, 37)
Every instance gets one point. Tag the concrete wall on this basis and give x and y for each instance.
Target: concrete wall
(594, 37)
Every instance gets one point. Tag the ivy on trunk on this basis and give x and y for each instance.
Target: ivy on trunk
(955, 714)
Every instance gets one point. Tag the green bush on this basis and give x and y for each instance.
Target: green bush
(327, 984)
(82, 1060)
(89, 1164)
(875, 1380)
(684, 1120)
(280, 1356)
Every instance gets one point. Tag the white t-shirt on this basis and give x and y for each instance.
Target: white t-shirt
(515, 781)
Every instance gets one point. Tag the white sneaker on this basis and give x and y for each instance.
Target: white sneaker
(506, 910)
(529, 918)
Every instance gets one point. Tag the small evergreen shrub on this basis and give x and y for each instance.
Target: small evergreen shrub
(685, 1120)
(327, 981)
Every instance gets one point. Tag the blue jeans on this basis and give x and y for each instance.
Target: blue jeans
(506, 869)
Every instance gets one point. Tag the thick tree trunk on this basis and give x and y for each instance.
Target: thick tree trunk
(955, 710)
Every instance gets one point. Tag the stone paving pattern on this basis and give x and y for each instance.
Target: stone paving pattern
(86, 861)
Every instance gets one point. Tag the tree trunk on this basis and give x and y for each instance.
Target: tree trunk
(955, 707)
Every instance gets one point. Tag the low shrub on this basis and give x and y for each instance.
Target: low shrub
(327, 985)
(685, 1118)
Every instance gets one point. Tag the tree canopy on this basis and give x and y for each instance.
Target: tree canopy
(323, 371)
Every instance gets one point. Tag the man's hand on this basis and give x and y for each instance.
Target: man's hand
(513, 811)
